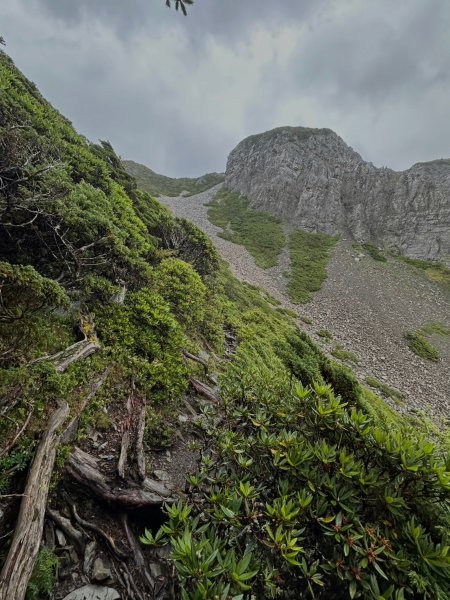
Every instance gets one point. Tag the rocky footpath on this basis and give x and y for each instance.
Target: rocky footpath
(311, 178)
(367, 306)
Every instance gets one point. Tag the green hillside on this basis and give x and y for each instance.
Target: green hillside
(125, 343)
(160, 185)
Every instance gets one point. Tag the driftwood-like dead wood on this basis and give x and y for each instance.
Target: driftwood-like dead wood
(84, 349)
(67, 528)
(62, 360)
(139, 559)
(83, 468)
(126, 437)
(92, 527)
(196, 359)
(204, 390)
(140, 454)
(30, 523)
(133, 427)
(70, 431)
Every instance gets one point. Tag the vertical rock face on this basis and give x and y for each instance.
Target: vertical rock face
(312, 179)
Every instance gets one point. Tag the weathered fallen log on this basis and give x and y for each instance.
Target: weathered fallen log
(140, 429)
(30, 523)
(76, 352)
(83, 468)
(204, 390)
(82, 349)
(71, 354)
(126, 438)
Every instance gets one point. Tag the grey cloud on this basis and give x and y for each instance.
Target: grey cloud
(178, 93)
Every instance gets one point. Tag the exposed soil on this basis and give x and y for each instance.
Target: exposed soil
(367, 306)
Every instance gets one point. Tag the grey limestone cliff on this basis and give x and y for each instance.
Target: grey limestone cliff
(313, 179)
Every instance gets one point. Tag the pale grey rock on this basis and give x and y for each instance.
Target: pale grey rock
(100, 572)
(60, 537)
(155, 570)
(312, 179)
(161, 475)
(93, 592)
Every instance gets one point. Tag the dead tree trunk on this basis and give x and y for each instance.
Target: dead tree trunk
(204, 390)
(30, 523)
(83, 468)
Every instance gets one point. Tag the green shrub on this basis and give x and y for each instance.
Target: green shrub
(436, 272)
(144, 332)
(374, 252)
(384, 388)
(342, 380)
(310, 253)
(183, 289)
(345, 355)
(324, 333)
(306, 320)
(28, 323)
(418, 344)
(301, 496)
(43, 578)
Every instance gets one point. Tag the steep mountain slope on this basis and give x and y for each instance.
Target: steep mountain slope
(367, 306)
(130, 358)
(311, 178)
(157, 185)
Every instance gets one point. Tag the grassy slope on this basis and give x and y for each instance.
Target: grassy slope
(160, 185)
(310, 253)
(260, 232)
(436, 272)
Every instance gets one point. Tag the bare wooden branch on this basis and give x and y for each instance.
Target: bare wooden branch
(66, 527)
(92, 527)
(18, 434)
(196, 359)
(22, 553)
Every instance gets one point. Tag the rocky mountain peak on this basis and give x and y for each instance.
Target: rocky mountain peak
(313, 179)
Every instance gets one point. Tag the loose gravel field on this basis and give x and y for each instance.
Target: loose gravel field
(366, 305)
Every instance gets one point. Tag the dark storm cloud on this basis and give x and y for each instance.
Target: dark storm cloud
(178, 94)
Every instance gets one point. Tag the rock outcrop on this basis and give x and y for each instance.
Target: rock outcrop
(313, 179)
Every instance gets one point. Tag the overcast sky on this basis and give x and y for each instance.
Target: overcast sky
(177, 94)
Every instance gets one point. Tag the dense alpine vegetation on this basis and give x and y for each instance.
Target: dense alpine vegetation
(115, 316)
(160, 185)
